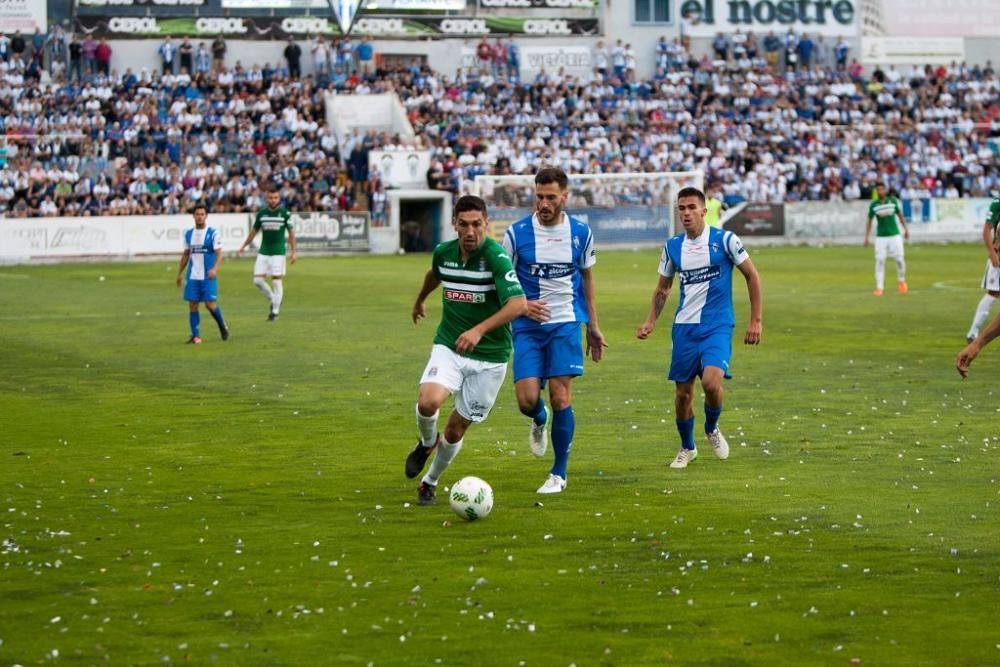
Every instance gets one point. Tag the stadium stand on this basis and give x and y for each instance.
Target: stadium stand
(82, 143)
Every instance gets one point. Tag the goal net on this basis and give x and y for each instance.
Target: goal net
(636, 209)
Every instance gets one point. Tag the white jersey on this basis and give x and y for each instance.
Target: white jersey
(705, 265)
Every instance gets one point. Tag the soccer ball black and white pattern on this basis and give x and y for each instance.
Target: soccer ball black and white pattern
(471, 498)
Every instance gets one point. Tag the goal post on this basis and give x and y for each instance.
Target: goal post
(633, 209)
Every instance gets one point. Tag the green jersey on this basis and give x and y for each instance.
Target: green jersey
(272, 225)
(993, 218)
(885, 210)
(472, 292)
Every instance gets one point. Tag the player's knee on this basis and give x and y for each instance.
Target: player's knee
(712, 386)
(427, 406)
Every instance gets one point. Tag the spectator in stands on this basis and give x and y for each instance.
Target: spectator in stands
(202, 60)
(321, 56)
(219, 53)
(840, 52)
(366, 57)
(293, 55)
(806, 47)
(88, 51)
(791, 43)
(102, 55)
(167, 51)
(618, 60)
(4, 47)
(18, 45)
(185, 54)
(720, 45)
(600, 59)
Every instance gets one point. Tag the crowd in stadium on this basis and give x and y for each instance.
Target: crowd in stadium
(767, 121)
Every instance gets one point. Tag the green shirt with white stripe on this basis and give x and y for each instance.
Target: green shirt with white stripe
(272, 225)
(472, 292)
(993, 218)
(885, 210)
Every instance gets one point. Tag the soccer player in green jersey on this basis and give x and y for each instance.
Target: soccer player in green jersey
(480, 296)
(991, 279)
(887, 210)
(272, 222)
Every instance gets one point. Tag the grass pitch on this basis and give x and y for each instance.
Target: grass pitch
(244, 502)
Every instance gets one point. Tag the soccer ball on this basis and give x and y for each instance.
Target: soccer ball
(471, 498)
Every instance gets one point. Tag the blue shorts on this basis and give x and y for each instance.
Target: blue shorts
(550, 351)
(695, 347)
(201, 290)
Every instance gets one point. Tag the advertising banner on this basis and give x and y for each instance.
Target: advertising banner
(909, 51)
(140, 3)
(748, 219)
(164, 234)
(273, 27)
(23, 15)
(332, 231)
(939, 18)
(642, 225)
(931, 220)
(401, 169)
(324, 5)
(573, 60)
(706, 18)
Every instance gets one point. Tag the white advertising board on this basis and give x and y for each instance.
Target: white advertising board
(23, 15)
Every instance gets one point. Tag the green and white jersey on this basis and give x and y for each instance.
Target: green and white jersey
(885, 210)
(472, 292)
(272, 225)
(993, 218)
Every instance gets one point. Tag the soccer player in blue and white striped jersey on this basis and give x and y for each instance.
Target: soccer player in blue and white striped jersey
(553, 256)
(202, 257)
(703, 257)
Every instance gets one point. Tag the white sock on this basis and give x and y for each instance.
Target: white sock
(279, 291)
(264, 288)
(428, 427)
(879, 273)
(901, 270)
(982, 312)
(446, 451)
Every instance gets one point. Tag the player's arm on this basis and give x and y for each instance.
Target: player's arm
(595, 339)
(292, 245)
(430, 284)
(184, 262)
(868, 229)
(902, 221)
(991, 249)
(248, 241)
(660, 294)
(514, 308)
(212, 272)
(971, 351)
(756, 294)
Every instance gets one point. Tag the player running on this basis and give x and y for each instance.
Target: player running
(887, 210)
(702, 336)
(480, 296)
(991, 278)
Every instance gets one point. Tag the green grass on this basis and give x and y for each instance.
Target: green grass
(244, 502)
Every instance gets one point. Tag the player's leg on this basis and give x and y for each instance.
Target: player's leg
(260, 270)
(277, 282)
(991, 283)
(716, 350)
(194, 322)
(564, 361)
(474, 399)
(896, 251)
(685, 363)
(529, 368)
(441, 378)
(881, 250)
(216, 311)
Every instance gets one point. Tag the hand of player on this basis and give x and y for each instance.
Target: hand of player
(292, 257)
(595, 343)
(211, 274)
(995, 259)
(644, 330)
(178, 280)
(467, 341)
(538, 311)
(752, 336)
(965, 357)
(906, 234)
(866, 242)
(419, 312)
(239, 253)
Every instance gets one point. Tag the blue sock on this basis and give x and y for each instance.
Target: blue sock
(194, 319)
(563, 425)
(538, 412)
(686, 428)
(217, 314)
(711, 417)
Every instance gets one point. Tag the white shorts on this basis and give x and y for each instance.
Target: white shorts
(891, 246)
(991, 278)
(475, 383)
(269, 265)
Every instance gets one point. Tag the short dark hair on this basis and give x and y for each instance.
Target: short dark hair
(548, 175)
(272, 187)
(691, 191)
(468, 203)
(197, 206)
